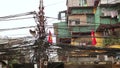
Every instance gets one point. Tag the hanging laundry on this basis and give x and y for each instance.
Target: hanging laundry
(114, 14)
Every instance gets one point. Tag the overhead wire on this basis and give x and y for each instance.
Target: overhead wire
(11, 16)
(51, 17)
(64, 46)
(17, 15)
(60, 27)
(82, 21)
(23, 14)
(16, 28)
(16, 19)
(7, 29)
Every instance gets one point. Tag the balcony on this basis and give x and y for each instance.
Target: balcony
(81, 29)
(82, 11)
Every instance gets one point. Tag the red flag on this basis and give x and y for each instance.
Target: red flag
(93, 38)
(50, 38)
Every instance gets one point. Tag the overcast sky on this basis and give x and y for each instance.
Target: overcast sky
(11, 7)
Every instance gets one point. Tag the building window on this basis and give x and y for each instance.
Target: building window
(74, 22)
(77, 22)
(90, 19)
(83, 2)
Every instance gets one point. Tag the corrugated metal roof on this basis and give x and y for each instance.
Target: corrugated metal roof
(3, 41)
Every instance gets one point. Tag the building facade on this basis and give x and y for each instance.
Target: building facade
(83, 16)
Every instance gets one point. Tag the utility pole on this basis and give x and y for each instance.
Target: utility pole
(42, 57)
(41, 20)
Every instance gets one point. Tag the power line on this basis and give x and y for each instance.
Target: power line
(52, 17)
(16, 19)
(17, 15)
(7, 29)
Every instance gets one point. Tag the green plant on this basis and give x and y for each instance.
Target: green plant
(111, 41)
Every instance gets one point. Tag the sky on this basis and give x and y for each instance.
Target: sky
(12, 7)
